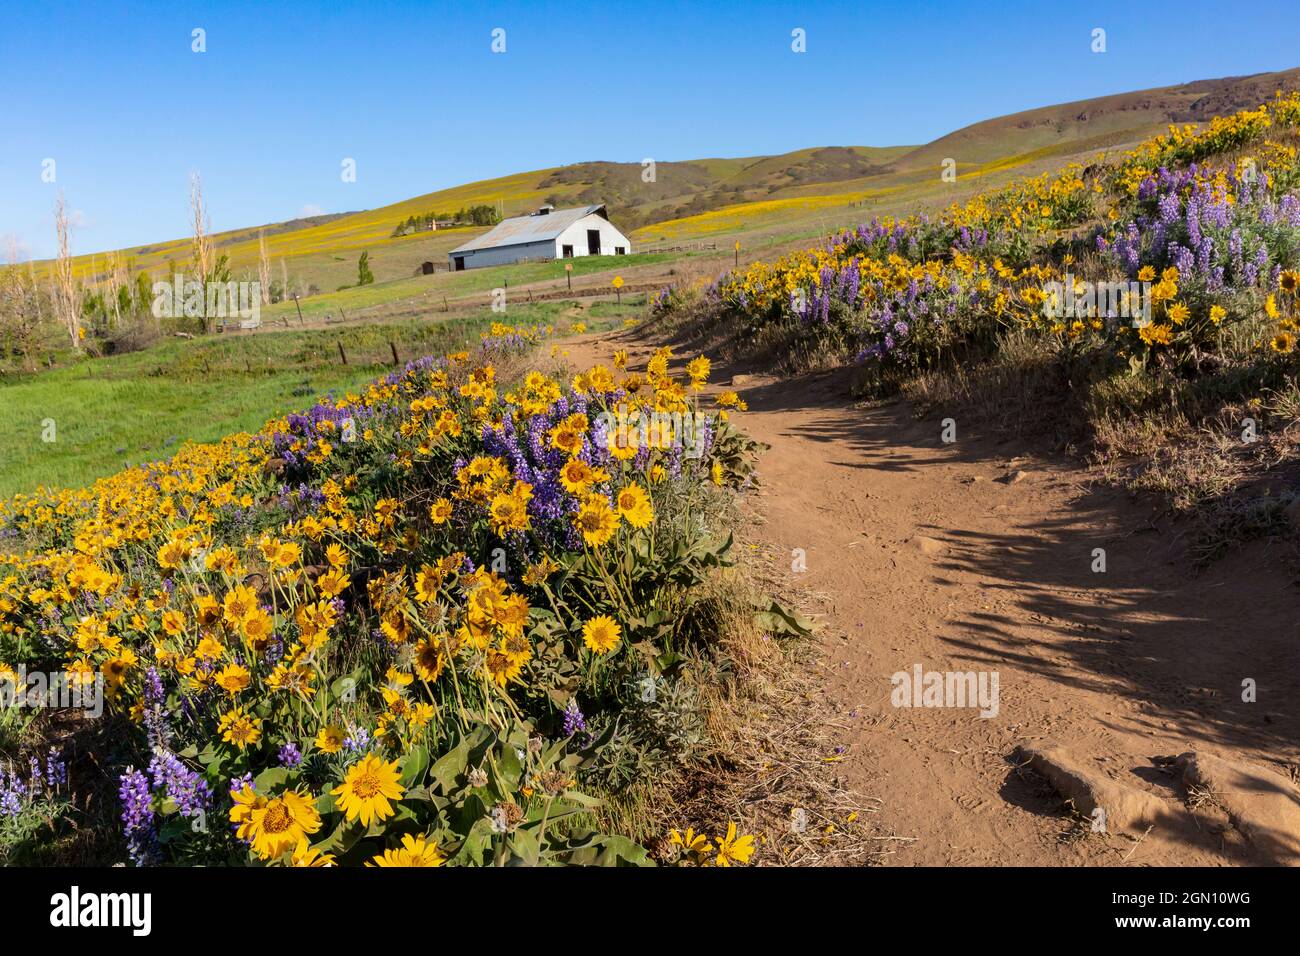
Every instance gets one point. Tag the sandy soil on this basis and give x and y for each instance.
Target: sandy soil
(978, 555)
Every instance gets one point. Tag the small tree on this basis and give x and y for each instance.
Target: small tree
(20, 309)
(364, 275)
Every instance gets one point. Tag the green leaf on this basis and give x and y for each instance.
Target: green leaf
(270, 779)
(776, 619)
(414, 766)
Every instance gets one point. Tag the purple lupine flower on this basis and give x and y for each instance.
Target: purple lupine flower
(358, 739)
(290, 755)
(138, 818)
(13, 794)
(185, 787)
(574, 721)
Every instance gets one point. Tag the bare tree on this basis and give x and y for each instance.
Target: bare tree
(20, 308)
(117, 279)
(263, 267)
(67, 296)
(202, 243)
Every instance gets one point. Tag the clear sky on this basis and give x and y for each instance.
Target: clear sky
(113, 92)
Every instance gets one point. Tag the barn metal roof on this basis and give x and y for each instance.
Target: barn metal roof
(520, 230)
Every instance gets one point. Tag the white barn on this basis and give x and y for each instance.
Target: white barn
(548, 233)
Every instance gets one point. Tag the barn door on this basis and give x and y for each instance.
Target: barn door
(593, 242)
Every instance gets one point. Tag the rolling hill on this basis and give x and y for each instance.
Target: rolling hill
(698, 199)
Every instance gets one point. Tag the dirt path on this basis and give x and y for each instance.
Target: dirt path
(964, 557)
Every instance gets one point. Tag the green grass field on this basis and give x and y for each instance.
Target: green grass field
(111, 412)
(453, 285)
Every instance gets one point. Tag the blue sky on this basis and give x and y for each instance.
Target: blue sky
(413, 92)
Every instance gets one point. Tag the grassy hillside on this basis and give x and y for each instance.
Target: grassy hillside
(1103, 120)
(116, 411)
(705, 198)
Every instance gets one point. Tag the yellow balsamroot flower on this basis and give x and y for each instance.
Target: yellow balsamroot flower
(79, 673)
(429, 659)
(209, 649)
(258, 628)
(1270, 307)
(306, 855)
(330, 738)
(634, 506)
(246, 800)
(1217, 314)
(395, 626)
(596, 520)
(600, 380)
(658, 364)
(1179, 313)
(239, 603)
(173, 622)
(222, 559)
(694, 846)
(1156, 334)
(577, 476)
(238, 727)
(1289, 281)
(115, 668)
(281, 823)
(414, 851)
(440, 511)
(623, 442)
(233, 678)
(1147, 274)
(171, 554)
(1163, 291)
(620, 359)
(517, 648)
(715, 473)
(601, 634)
(697, 369)
(427, 583)
(731, 399)
(287, 555)
(314, 622)
(568, 434)
(367, 789)
(332, 583)
(734, 848)
(539, 572)
(509, 512)
(1283, 343)
(501, 667)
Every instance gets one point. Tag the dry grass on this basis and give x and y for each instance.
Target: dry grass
(772, 765)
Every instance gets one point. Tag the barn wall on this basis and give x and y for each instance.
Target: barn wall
(576, 236)
(503, 255)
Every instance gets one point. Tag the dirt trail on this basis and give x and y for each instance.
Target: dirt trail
(965, 557)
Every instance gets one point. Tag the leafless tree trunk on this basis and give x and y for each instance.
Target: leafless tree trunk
(202, 244)
(263, 267)
(67, 301)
